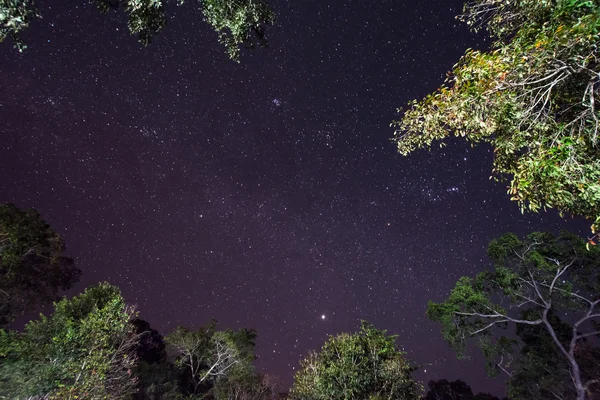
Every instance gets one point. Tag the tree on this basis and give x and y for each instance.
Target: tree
(210, 356)
(534, 280)
(85, 349)
(455, 390)
(445, 390)
(33, 268)
(533, 97)
(15, 15)
(363, 365)
(237, 22)
(159, 381)
(539, 371)
(199, 364)
(247, 386)
(151, 346)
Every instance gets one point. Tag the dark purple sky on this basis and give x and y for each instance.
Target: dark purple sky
(264, 194)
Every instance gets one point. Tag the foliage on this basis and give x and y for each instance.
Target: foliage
(532, 97)
(237, 22)
(85, 349)
(445, 390)
(146, 17)
(159, 381)
(363, 365)
(540, 371)
(247, 386)
(151, 345)
(210, 357)
(94, 347)
(15, 15)
(534, 280)
(32, 265)
(455, 390)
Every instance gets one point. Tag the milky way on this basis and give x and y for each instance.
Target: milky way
(265, 194)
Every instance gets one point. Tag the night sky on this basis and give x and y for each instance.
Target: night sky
(265, 194)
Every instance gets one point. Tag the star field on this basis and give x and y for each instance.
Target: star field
(264, 194)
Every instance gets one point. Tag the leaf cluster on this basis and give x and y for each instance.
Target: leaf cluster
(453, 390)
(237, 22)
(15, 16)
(33, 267)
(83, 350)
(533, 97)
(534, 280)
(363, 365)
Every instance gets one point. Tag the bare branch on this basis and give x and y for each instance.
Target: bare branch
(489, 326)
(559, 272)
(584, 335)
(517, 321)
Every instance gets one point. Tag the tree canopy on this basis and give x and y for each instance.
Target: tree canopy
(535, 317)
(535, 280)
(33, 267)
(212, 357)
(363, 365)
(15, 16)
(533, 96)
(237, 22)
(93, 346)
(453, 390)
(85, 349)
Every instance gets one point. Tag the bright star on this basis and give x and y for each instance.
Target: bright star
(322, 316)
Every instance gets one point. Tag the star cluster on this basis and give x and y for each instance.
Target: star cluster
(264, 194)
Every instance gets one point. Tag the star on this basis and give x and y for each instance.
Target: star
(249, 190)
